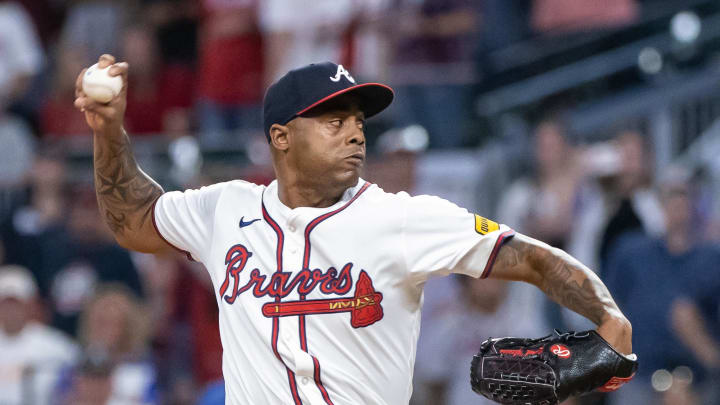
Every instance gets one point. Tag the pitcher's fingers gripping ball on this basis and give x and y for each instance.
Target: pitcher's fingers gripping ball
(548, 370)
(99, 85)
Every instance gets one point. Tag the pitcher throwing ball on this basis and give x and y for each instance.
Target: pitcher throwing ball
(319, 276)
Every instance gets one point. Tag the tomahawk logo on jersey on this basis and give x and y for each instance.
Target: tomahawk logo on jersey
(322, 305)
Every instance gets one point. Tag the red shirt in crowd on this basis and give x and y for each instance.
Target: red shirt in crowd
(230, 54)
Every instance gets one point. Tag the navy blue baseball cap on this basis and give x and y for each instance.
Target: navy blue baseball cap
(302, 89)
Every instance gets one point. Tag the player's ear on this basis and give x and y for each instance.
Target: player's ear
(279, 136)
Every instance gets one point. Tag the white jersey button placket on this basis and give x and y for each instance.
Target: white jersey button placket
(292, 222)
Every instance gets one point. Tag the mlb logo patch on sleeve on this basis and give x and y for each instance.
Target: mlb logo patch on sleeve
(483, 226)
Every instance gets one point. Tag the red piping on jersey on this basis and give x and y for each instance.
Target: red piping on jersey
(306, 265)
(319, 383)
(276, 321)
(152, 209)
(504, 237)
(316, 221)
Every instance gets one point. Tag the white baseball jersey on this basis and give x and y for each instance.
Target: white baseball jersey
(321, 306)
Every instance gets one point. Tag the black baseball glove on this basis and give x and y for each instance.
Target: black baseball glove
(548, 370)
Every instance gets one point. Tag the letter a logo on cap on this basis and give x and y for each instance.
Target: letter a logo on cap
(342, 72)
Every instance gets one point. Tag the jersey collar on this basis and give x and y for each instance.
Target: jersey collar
(273, 203)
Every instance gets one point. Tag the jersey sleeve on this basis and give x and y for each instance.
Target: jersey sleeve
(185, 219)
(440, 238)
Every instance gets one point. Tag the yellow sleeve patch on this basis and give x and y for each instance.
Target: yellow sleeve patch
(484, 226)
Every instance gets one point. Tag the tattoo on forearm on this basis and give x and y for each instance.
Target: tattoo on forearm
(564, 279)
(125, 194)
(572, 287)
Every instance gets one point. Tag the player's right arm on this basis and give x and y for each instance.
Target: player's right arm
(125, 194)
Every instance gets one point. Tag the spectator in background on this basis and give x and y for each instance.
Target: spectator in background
(647, 275)
(214, 394)
(31, 354)
(175, 25)
(185, 325)
(17, 149)
(89, 257)
(620, 200)
(94, 27)
(175, 22)
(695, 321)
(47, 16)
(638, 207)
(60, 237)
(695, 315)
(114, 329)
(22, 53)
(367, 44)
(543, 205)
(356, 34)
(196, 304)
(557, 16)
(36, 230)
(91, 383)
(434, 48)
(230, 70)
(290, 42)
(483, 308)
(21, 59)
(58, 118)
(145, 107)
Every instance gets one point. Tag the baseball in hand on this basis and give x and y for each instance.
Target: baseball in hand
(99, 85)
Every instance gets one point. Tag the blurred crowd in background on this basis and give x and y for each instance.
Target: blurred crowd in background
(503, 107)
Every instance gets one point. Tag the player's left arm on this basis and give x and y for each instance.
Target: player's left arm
(566, 281)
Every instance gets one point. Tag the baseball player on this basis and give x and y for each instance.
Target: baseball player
(319, 276)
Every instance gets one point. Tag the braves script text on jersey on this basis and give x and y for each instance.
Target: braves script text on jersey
(321, 306)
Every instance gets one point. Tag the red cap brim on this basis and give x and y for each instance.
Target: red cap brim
(374, 97)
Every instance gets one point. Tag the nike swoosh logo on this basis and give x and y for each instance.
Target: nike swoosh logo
(244, 224)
